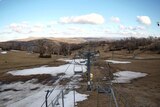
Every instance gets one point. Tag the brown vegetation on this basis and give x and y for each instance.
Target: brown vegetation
(142, 92)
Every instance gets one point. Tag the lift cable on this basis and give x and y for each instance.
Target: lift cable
(57, 83)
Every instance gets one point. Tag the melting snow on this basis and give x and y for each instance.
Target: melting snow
(127, 76)
(53, 70)
(4, 52)
(75, 61)
(118, 62)
(26, 96)
(69, 98)
(23, 91)
(31, 95)
(15, 50)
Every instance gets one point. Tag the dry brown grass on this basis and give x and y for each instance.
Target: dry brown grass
(141, 92)
(22, 60)
(41, 78)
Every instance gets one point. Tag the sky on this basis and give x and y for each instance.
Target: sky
(78, 18)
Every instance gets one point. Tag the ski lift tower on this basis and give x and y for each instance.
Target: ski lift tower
(88, 55)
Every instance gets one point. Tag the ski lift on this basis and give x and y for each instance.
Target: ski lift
(79, 66)
(82, 61)
(105, 89)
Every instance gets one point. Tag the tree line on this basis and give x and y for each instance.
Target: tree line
(132, 43)
(46, 47)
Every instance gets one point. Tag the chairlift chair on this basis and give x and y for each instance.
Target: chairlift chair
(79, 71)
(83, 61)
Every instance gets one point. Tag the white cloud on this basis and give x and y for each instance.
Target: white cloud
(127, 31)
(76, 29)
(39, 25)
(51, 23)
(140, 27)
(132, 28)
(5, 32)
(127, 34)
(37, 28)
(106, 30)
(54, 31)
(23, 27)
(144, 20)
(122, 27)
(115, 19)
(92, 18)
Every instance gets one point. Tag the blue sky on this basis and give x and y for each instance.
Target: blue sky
(78, 18)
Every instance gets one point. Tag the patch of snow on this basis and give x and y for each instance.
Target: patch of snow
(73, 61)
(23, 91)
(52, 70)
(31, 95)
(118, 62)
(69, 98)
(15, 50)
(102, 67)
(19, 86)
(126, 76)
(25, 97)
(97, 55)
(36, 99)
(4, 52)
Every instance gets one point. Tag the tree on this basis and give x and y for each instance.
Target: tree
(45, 48)
(41, 46)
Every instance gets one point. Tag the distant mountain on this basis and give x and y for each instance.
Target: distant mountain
(65, 40)
(77, 40)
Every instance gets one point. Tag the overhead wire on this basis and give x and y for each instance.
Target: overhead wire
(116, 90)
(57, 83)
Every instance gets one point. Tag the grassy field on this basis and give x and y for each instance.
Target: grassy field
(142, 92)
(15, 60)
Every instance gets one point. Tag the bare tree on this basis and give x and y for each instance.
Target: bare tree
(41, 46)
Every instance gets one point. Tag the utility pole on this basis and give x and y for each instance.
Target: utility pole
(88, 55)
(112, 54)
(88, 71)
(46, 97)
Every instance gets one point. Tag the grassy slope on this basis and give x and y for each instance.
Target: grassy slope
(141, 92)
(20, 60)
